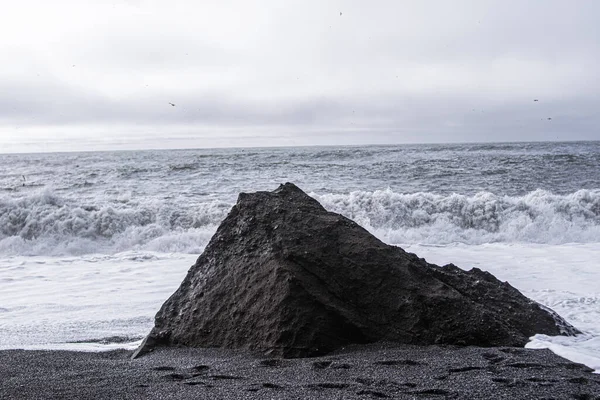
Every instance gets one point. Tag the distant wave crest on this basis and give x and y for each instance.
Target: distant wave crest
(44, 223)
(538, 217)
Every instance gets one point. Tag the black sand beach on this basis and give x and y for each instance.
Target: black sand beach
(357, 372)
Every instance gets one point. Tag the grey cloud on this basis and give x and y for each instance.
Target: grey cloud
(444, 117)
(383, 72)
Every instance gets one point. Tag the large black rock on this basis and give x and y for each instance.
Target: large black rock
(283, 275)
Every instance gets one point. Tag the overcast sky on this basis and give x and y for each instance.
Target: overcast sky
(89, 75)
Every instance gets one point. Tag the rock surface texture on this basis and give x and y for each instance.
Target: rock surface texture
(285, 276)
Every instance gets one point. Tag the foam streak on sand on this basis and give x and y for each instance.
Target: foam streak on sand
(72, 303)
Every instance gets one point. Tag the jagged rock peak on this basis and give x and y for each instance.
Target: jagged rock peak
(285, 276)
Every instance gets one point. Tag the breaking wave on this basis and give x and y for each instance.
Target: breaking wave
(45, 223)
(538, 217)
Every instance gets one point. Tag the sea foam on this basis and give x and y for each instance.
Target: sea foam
(429, 218)
(45, 223)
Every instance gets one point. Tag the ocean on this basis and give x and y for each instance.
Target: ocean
(92, 244)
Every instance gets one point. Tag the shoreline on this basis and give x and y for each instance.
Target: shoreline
(380, 370)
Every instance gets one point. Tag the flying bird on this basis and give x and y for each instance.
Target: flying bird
(172, 104)
(535, 100)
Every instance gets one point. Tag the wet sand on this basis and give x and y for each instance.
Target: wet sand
(358, 372)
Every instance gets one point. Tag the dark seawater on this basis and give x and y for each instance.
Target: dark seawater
(439, 193)
(92, 243)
